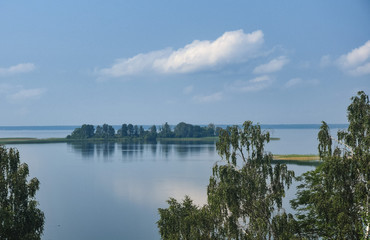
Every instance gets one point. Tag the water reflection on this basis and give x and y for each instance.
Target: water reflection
(107, 148)
(121, 186)
(131, 150)
(135, 150)
(86, 149)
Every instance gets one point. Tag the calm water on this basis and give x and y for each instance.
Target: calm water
(113, 190)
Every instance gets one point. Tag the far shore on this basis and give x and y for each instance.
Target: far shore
(24, 140)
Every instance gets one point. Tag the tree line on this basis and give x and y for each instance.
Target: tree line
(181, 130)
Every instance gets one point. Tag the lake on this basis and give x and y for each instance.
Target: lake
(113, 190)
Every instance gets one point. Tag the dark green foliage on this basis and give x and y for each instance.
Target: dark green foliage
(185, 130)
(122, 132)
(243, 202)
(130, 130)
(246, 199)
(19, 216)
(185, 221)
(333, 201)
(166, 132)
(105, 132)
(84, 132)
(152, 134)
(141, 132)
(136, 131)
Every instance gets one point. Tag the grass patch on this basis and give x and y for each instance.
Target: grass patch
(297, 157)
(30, 140)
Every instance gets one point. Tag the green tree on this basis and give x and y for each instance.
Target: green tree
(130, 130)
(19, 216)
(243, 202)
(333, 201)
(108, 131)
(136, 130)
(85, 131)
(183, 130)
(122, 132)
(141, 131)
(185, 221)
(152, 134)
(211, 130)
(99, 132)
(166, 131)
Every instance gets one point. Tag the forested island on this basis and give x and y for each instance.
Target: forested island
(130, 131)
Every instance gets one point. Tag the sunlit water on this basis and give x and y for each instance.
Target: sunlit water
(113, 190)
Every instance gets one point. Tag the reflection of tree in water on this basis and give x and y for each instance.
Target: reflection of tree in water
(165, 149)
(107, 148)
(131, 149)
(193, 148)
(153, 148)
(212, 148)
(86, 149)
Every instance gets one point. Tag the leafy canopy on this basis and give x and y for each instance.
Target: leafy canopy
(243, 201)
(333, 201)
(19, 216)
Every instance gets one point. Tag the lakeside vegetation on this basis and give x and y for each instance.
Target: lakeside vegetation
(244, 196)
(297, 157)
(130, 131)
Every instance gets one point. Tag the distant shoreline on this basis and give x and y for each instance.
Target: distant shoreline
(27, 140)
(263, 126)
(24, 140)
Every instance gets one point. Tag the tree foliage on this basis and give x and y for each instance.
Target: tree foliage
(19, 216)
(243, 202)
(333, 201)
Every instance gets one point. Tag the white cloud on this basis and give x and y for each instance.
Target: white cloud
(20, 68)
(208, 98)
(253, 85)
(26, 94)
(293, 82)
(356, 62)
(273, 66)
(300, 82)
(361, 70)
(188, 89)
(325, 61)
(231, 47)
(356, 57)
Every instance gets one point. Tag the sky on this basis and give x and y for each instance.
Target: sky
(151, 62)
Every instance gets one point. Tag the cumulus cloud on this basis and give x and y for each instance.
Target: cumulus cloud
(293, 82)
(189, 89)
(300, 82)
(208, 98)
(19, 68)
(356, 56)
(361, 70)
(357, 61)
(26, 94)
(252, 85)
(273, 66)
(231, 47)
(325, 61)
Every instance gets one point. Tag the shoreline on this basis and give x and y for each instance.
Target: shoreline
(27, 140)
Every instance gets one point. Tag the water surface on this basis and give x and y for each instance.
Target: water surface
(113, 190)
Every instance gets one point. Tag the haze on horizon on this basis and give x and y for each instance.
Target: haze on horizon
(145, 62)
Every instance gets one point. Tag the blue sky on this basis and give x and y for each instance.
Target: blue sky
(150, 62)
